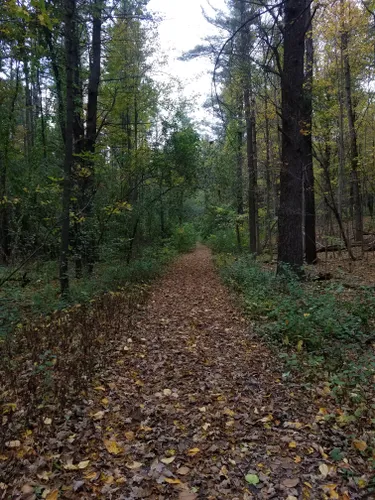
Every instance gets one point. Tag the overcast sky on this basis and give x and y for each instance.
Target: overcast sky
(182, 29)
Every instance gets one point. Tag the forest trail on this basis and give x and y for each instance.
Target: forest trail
(192, 406)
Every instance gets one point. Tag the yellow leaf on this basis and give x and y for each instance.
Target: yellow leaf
(98, 415)
(324, 470)
(91, 475)
(229, 412)
(172, 481)
(105, 401)
(292, 444)
(330, 489)
(100, 388)
(13, 444)
(168, 460)
(129, 435)
(53, 495)
(359, 445)
(70, 466)
(111, 446)
(300, 345)
(83, 464)
(134, 465)
(362, 483)
(297, 459)
(193, 451)
(266, 419)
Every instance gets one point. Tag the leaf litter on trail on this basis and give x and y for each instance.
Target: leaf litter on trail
(214, 420)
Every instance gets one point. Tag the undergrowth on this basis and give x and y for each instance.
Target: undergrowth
(317, 329)
(35, 291)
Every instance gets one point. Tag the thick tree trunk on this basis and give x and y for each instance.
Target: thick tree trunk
(91, 123)
(70, 7)
(309, 191)
(290, 245)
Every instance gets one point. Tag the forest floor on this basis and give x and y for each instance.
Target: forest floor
(192, 405)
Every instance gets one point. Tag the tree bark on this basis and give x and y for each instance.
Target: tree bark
(70, 8)
(91, 123)
(309, 191)
(356, 200)
(290, 245)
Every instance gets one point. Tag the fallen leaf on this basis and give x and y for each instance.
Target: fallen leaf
(193, 451)
(47, 421)
(53, 495)
(290, 482)
(183, 471)
(168, 460)
(167, 392)
(13, 444)
(134, 465)
(70, 466)
(187, 495)
(111, 446)
(252, 479)
(359, 445)
(83, 464)
(170, 480)
(324, 470)
(129, 435)
(292, 444)
(98, 415)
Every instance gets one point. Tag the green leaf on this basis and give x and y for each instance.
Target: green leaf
(252, 479)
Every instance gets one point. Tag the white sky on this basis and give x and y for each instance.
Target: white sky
(182, 29)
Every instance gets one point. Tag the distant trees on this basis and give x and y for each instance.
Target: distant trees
(93, 152)
(306, 72)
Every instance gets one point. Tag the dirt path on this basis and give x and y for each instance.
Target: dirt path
(192, 405)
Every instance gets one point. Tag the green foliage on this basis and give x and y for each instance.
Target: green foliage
(42, 295)
(315, 326)
(184, 238)
(224, 240)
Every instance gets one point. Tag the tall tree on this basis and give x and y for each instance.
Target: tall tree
(309, 189)
(294, 159)
(70, 64)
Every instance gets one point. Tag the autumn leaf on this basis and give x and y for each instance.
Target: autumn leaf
(193, 451)
(168, 460)
(53, 495)
(13, 444)
(183, 471)
(111, 446)
(84, 464)
(170, 480)
(129, 435)
(134, 465)
(290, 482)
(324, 470)
(359, 445)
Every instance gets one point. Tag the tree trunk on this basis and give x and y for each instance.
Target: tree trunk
(290, 246)
(309, 191)
(70, 8)
(91, 124)
(239, 179)
(356, 201)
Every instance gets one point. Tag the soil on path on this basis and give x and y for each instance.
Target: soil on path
(192, 404)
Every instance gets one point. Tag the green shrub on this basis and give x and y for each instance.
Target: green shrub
(184, 238)
(223, 241)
